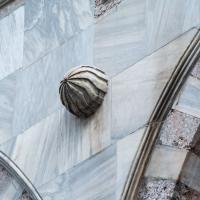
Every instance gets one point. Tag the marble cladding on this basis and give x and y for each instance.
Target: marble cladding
(49, 38)
(38, 84)
(122, 41)
(63, 141)
(11, 40)
(50, 23)
(178, 130)
(92, 179)
(100, 177)
(61, 151)
(127, 149)
(166, 162)
(7, 96)
(139, 91)
(188, 101)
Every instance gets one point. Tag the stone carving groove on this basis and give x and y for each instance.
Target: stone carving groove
(83, 89)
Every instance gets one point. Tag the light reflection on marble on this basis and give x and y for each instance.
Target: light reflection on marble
(136, 90)
(11, 42)
(49, 23)
(136, 28)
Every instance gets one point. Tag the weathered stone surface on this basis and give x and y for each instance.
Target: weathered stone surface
(182, 192)
(156, 189)
(178, 130)
(83, 89)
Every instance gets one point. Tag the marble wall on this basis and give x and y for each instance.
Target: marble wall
(136, 42)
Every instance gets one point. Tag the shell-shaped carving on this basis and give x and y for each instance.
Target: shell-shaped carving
(83, 89)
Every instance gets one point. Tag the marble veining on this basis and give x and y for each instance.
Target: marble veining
(38, 97)
(140, 86)
(63, 141)
(92, 179)
(11, 40)
(7, 96)
(149, 25)
(50, 23)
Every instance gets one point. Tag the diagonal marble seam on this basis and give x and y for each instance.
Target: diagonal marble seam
(55, 48)
(156, 50)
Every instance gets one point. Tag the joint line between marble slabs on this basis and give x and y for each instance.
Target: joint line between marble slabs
(147, 55)
(77, 165)
(53, 49)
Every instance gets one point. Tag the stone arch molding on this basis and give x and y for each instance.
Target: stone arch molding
(19, 176)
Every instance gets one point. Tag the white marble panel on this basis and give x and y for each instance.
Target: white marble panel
(136, 28)
(136, 90)
(166, 162)
(126, 152)
(7, 96)
(120, 37)
(59, 142)
(188, 101)
(11, 42)
(49, 23)
(91, 180)
(166, 20)
(38, 85)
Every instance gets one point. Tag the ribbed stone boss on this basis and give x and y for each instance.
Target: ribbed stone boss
(83, 89)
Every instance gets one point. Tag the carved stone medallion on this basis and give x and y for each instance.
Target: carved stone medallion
(83, 89)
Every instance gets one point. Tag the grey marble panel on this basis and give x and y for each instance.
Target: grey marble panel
(59, 142)
(38, 84)
(93, 179)
(136, 90)
(188, 102)
(49, 23)
(136, 28)
(166, 20)
(120, 37)
(11, 40)
(7, 96)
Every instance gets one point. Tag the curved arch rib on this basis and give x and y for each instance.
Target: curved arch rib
(177, 79)
(14, 170)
